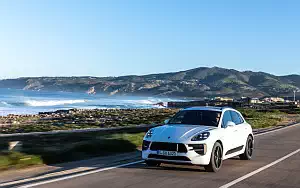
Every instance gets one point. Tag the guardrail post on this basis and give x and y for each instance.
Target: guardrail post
(15, 146)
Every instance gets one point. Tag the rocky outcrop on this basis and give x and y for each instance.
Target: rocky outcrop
(91, 91)
(33, 85)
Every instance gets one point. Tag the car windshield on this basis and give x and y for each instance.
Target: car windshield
(197, 117)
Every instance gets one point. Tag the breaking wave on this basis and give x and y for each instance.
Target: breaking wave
(25, 102)
(149, 101)
(3, 103)
(52, 102)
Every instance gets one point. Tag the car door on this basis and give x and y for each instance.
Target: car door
(239, 128)
(230, 133)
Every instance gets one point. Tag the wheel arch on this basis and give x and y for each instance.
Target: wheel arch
(252, 136)
(220, 142)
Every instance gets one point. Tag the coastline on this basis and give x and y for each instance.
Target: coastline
(82, 118)
(107, 118)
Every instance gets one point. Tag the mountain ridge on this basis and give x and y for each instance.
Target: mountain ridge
(197, 82)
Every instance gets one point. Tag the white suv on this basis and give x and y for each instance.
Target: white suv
(201, 136)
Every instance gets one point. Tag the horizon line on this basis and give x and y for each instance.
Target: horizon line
(82, 76)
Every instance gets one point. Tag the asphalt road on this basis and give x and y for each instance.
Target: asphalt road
(272, 166)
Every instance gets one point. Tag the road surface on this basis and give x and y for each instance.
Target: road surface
(276, 163)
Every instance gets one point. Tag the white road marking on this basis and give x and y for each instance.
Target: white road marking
(110, 168)
(259, 170)
(49, 175)
(78, 175)
(276, 130)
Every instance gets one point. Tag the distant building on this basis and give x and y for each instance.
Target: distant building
(255, 101)
(245, 100)
(273, 99)
(223, 99)
(288, 101)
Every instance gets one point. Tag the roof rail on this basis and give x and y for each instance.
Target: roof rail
(223, 107)
(215, 107)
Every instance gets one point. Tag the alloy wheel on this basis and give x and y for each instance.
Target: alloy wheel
(218, 157)
(250, 147)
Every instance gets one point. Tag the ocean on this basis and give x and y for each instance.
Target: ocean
(13, 101)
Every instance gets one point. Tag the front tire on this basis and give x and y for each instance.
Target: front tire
(247, 155)
(152, 163)
(215, 159)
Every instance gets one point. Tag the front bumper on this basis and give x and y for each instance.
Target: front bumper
(189, 157)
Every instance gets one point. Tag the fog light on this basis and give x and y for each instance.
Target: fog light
(199, 148)
(146, 145)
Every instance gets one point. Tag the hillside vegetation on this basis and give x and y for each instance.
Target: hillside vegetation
(199, 82)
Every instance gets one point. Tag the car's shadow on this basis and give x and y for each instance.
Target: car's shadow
(168, 167)
(183, 168)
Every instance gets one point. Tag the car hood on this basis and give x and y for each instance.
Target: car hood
(176, 132)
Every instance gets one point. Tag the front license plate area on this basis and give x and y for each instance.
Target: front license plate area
(167, 153)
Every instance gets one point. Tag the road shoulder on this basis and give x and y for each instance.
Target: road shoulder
(57, 170)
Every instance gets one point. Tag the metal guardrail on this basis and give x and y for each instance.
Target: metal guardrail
(104, 131)
(263, 130)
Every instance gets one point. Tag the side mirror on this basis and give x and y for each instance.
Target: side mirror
(230, 124)
(166, 121)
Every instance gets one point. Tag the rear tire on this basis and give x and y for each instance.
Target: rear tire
(215, 159)
(247, 155)
(152, 163)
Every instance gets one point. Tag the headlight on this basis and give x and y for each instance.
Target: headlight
(201, 136)
(149, 133)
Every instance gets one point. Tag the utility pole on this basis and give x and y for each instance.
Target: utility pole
(294, 95)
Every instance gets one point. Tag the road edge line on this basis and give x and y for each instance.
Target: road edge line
(80, 174)
(276, 130)
(260, 169)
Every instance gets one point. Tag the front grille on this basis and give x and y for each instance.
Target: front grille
(167, 146)
(177, 158)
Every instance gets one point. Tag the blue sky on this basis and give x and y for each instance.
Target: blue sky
(112, 38)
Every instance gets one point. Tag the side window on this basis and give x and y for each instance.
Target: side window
(236, 118)
(226, 118)
(241, 119)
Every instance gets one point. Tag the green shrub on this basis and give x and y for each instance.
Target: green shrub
(18, 160)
